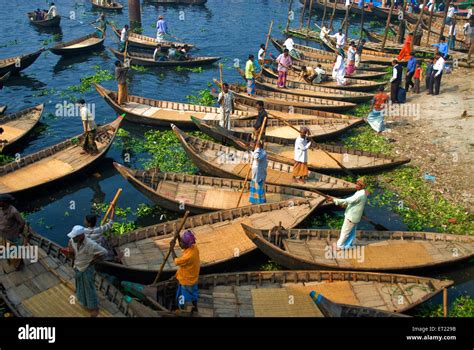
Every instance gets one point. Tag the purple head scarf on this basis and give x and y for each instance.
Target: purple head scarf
(188, 238)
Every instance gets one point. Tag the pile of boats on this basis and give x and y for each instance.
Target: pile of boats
(229, 230)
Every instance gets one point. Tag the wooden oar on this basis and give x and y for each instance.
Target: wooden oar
(347, 171)
(112, 205)
(262, 128)
(176, 235)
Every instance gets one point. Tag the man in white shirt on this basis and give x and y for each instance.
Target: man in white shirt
(348, 3)
(451, 12)
(354, 210)
(88, 122)
(437, 74)
(324, 32)
(395, 81)
(226, 100)
(340, 39)
(261, 52)
(452, 35)
(52, 12)
(290, 45)
(123, 38)
(321, 74)
(86, 253)
(302, 145)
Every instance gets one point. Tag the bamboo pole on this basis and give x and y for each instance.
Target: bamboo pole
(176, 236)
(112, 205)
(445, 302)
(262, 128)
(345, 24)
(266, 46)
(289, 16)
(303, 11)
(430, 21)
(441, 32)
(324, 13)
(332, 15)
(417, 25)
(310, 13)
(387, 24)
(362, 21)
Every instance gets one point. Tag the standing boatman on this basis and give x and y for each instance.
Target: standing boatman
(161, 29)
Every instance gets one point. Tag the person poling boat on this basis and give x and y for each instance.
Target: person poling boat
(52, 12)
(250, 75)
(259, 174)
(226, 100)
(123, 38)
(85, 253)
(324, 31)
(121, 71)
(354, 205)
(376, 116)
(261, 55)
(161, 29)
(289, 44)
(101, 25)
(262, 114)
(13, 228)
(90, 129)
(340, 39)
(302, 145)
(189, 265)
(97, 233)
(284, 64)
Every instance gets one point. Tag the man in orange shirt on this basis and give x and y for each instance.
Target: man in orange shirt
(188, 270)
(378, 109)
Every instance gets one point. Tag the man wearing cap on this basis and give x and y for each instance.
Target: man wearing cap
(86, 252)
(13, 227)
(354, 211)
(302, 145)
(187, 275)
(161, 29)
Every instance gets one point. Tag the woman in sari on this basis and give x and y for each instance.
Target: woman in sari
(404, 54)
(259, 175)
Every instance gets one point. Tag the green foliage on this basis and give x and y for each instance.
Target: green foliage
(189, 69)
(143, 210)
(9, 43)
(462, 306)
(124, 141)
(327, 221)
(203, 98)
(139, 30)
(364, 138)
(139, 68)
(270, 265)
(99, 76)
(5, 159)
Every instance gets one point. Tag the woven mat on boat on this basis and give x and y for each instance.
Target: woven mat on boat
(283, 302)
(392, 254)
(55, 302)
(338, 292)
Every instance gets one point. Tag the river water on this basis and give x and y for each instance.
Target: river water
(230, 29)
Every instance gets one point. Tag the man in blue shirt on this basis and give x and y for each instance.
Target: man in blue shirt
(411, 66)
(442, 47)
(161, 29)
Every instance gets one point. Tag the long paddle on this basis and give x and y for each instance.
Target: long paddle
(176, 235)
(250, 167)
(347, 171)
(112, 205)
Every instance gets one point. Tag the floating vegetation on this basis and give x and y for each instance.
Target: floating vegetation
(9, 43)
(364, 138)
(270, 265)
(99, 76)
(203, 98)
(139, 68)
(327, 220)
(189, 69)
(5, 159)
(462, 306)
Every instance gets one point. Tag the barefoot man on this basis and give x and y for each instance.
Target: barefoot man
(354, 210)
(302, 145)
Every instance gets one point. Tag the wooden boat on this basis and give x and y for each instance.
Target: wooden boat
(313, 90)
(365, 70)
(219, 235)
(43, 288)
(147, 42)
(286, 99)
(384, 12)
(201, 194)
(84, 44)
(266, 294)
(3, 108)
(359, 75)
(114, 6)
(56, 162)
(17, 125)
(161, 113)
(4, 77)
(46, 23)
(10, 65)
(352, 84)
(320, 128)
(178, 2)
(282, 150)
(288, 112)
(145, 58)
(203, 153)
(374, 250)
(329, 56)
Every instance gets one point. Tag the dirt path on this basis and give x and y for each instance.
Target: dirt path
(441, 140)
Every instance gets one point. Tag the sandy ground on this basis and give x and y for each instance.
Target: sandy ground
(440, 140)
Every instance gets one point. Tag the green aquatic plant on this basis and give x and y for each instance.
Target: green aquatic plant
(5, 159)
(204, 98)
(139, 68)
(270, 265)
(189, 69)
(87, 82)
(364, 138)
(462, 306)
(327, 220)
